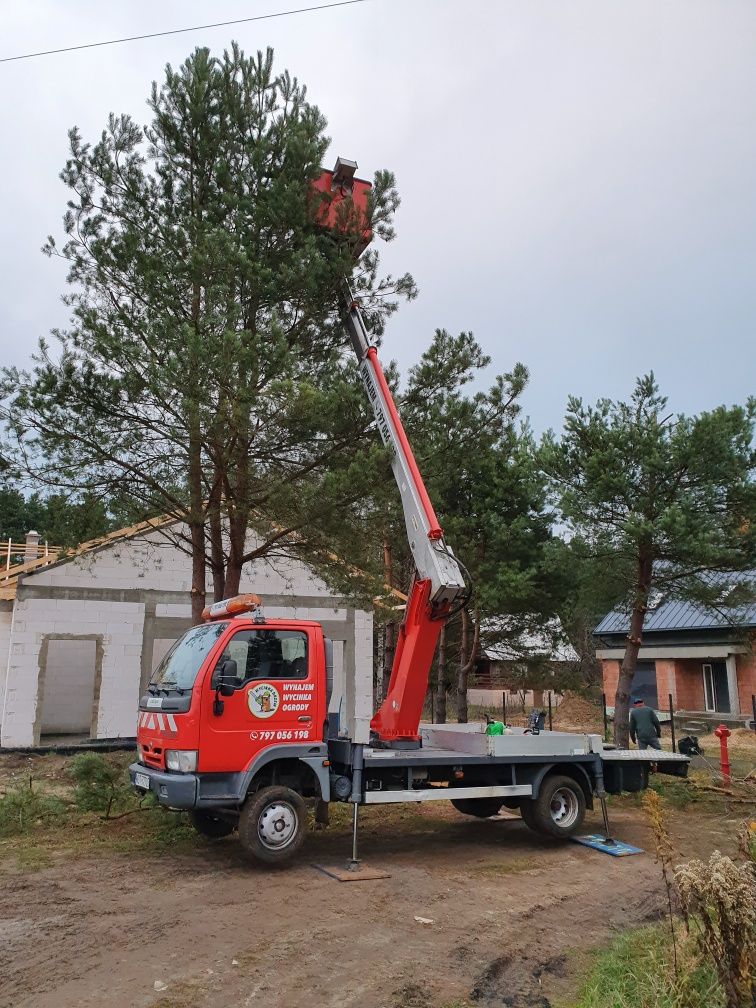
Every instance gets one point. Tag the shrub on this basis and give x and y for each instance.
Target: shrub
(22, 808)
(101, 784)
(718, 899)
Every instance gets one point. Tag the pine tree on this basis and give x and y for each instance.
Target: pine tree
(204, 374)
(664, 499)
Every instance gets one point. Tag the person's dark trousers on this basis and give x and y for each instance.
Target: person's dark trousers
(652, 743)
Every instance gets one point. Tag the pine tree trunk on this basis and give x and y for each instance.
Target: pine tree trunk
(194, 378)
(389, 649)
(216, 543)
(441, 679)
(468, 654)
(197, 532)
(389, 629)
(237, 539)
(464, 668)
(630, 660)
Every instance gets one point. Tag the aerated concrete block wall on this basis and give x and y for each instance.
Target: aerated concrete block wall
(130, 601)
(118, 628)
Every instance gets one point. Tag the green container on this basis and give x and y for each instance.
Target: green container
(495, 728)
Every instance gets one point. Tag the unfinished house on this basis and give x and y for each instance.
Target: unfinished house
(81, 634)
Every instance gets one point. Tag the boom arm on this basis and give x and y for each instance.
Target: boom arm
(438, 584)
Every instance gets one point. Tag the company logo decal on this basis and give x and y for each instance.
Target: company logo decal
(263, 700)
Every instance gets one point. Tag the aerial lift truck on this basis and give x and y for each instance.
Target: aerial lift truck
(242, 721)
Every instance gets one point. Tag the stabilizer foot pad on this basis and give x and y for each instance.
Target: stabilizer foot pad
(597, 842)
(342, 873)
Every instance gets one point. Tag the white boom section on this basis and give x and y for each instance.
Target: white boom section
(433, 559)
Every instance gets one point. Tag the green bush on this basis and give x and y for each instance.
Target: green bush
(101, 784)
(22, 808)
(637, 971)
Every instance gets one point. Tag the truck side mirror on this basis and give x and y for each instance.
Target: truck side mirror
(227, 680)
(224, 683)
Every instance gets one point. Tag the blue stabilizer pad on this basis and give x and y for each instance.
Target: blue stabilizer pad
(597, 842)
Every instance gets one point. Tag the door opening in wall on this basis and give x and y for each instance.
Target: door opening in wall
(68, 681)
(716, 690)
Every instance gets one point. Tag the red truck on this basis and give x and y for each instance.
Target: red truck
(241, 722)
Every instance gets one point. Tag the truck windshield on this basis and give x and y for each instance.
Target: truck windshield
(179, 668)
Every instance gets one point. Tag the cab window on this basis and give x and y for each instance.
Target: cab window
(267, 654)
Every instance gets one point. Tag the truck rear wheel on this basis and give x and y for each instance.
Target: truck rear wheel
(273, 825)
(559, 809)
(481, 808)
(210, 825)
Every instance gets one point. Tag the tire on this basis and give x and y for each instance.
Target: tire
(559, 809)
(481, 808)
(273, 825)
(209, 825)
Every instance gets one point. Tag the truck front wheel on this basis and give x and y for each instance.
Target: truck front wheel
(559, 809)
(273, 825)
(481, 808)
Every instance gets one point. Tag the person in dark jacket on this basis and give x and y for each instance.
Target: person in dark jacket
(644, 725)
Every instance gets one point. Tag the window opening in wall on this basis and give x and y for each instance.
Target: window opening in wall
(644, 683)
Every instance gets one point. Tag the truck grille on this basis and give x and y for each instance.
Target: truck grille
(152, 756)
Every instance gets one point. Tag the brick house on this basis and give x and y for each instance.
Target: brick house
(705, 658)
(81, 635)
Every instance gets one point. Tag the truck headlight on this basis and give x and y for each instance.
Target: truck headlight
(183, 760)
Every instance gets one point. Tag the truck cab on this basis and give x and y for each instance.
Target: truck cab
(236, 705)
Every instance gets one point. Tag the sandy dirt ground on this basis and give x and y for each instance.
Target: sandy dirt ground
(508, 918)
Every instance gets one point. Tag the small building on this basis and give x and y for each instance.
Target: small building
(704, 658)
(520, 663)
(81, 634)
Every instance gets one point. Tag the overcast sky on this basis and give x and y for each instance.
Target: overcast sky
(578, 178)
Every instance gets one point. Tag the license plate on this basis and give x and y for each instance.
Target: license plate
(141, 780)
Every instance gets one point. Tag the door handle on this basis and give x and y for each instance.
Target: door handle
(304, 717)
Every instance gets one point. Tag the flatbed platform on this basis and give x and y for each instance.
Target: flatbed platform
(468, 744)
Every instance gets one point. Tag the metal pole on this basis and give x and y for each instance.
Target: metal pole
(606, 722)
(601, 793)
(551, 727)
(672, 723)
(753, 705)
(354, 861)
(504, 706)
(358, 762)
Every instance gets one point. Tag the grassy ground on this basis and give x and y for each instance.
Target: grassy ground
(638, 971)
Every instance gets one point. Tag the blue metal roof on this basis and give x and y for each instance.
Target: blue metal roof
(674, 614)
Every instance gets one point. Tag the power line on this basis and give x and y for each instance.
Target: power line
(180, 31)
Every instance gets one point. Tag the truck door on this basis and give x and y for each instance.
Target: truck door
(277, 699)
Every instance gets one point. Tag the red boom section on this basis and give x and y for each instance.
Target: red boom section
(434, 529)
(399, 715)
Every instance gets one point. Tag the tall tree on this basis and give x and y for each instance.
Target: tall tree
(663, 497)
(588, 588)
(204, 373)
(19, 514)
